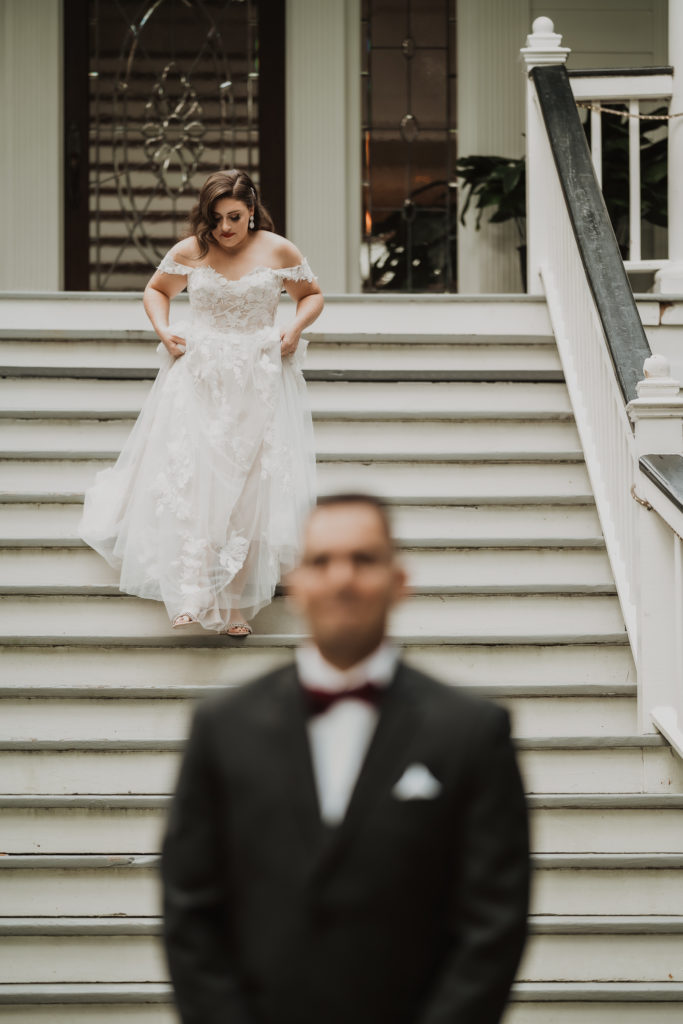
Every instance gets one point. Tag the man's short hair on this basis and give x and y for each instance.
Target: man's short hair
(360, 498)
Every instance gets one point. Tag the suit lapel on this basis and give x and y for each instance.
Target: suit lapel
(295, 760)
(399, 720)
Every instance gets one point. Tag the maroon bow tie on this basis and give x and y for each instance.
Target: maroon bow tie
(319, 701)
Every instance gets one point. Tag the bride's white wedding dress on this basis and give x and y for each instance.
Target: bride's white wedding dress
(205, 505)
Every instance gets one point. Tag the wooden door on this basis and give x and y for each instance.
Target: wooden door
(158, 94)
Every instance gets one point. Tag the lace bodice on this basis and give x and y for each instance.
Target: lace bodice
(205, 505)
(246, 304)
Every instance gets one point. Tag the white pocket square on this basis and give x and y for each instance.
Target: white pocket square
(417, 783)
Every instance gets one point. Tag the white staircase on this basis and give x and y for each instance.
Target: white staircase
(456, 411)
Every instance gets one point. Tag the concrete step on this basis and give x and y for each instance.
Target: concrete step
(34, 316)
(620, 823)
(494, 525)
(607, 1003)
(450, 619)
(416, 482)
(70, 398)
(565, 884)
(539, 667)
(336, 355)
(77, 950)
(89, 714)
(579, 764)
(601, 765)
(39, 955)
(537, 1003)
(560, 823)
(92, 1003)
(87, 824)
(553, 957)
(352, 440)
(445, 571)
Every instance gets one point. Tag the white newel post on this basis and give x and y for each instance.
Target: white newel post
(543, 46)
(669, 280)
(657, 415)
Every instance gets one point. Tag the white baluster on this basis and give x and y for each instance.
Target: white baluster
(634, 180)
(596, 141)
(669, 279)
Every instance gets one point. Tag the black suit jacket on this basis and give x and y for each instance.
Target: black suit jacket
(409, 912)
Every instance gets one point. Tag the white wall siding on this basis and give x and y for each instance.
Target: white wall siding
(31, 150)
(490, 121)
(609, 33)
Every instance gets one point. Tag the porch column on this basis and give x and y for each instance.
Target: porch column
(322, 69)
(670, 278)
(490, 122)
(31, 150)
(543, 47)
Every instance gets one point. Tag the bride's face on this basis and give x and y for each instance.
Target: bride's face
(232, 223)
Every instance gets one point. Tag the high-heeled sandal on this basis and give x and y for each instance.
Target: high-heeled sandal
(244, 627)
(184, 619)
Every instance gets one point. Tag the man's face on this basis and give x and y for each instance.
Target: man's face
(347, 582)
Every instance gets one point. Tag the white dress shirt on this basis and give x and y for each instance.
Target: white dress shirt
(340, 737)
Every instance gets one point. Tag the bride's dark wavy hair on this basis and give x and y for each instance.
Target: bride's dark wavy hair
(231, 184)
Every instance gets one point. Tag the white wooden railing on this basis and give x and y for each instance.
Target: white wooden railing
(633, 91)
(599, 409)
(574, 260)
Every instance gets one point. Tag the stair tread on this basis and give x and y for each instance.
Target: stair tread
(101, 399)
(434, 441)
(36, 525)
(597, 991)
(145, 992)
(540, 924)
(476, 570)
(179, 691)
(452, 618)
(469, 483)
(142, 862)
(84, 992)
(518, 664)
(576, 801)
(165, 743)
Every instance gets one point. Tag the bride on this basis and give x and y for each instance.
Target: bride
(204, 507)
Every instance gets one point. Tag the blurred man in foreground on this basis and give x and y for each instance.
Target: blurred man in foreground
(348, 841)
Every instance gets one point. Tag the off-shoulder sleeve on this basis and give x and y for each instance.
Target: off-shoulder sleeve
(301, 272)
(169, 266)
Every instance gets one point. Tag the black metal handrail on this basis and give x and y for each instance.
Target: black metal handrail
(604, 267)
(666, 473)
(664, 69)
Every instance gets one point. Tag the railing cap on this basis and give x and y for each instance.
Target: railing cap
(543, 45)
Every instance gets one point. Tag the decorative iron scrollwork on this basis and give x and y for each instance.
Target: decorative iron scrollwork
(174, 130)
(167, 107)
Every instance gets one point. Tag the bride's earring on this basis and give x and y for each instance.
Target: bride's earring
(251, 222)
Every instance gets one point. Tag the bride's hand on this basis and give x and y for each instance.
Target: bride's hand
(174, 343)
(289, 339)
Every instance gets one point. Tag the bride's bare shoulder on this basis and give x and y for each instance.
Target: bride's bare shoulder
(186, 251)
(283, 253)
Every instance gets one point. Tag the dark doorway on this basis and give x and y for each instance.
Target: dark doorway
(158, 94)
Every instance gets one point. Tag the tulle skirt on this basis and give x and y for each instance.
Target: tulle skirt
(204, 508)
